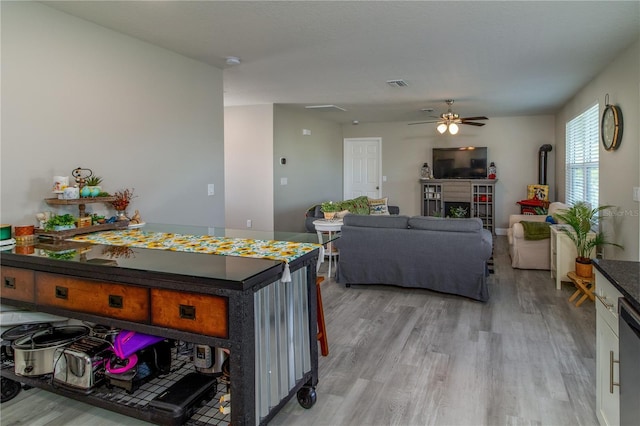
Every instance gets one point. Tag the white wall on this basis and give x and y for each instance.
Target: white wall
(77, 94)
(249, 166)
(512, 143)
(620, 169)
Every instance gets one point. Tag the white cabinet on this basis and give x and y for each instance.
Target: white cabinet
(563, 255)
(607, 352)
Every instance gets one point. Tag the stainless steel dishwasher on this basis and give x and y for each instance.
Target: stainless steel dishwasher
(629, 325)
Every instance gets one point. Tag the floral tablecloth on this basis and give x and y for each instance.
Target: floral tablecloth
(285, 251)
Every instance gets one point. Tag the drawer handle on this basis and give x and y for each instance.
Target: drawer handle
(603, 300)
(115, 301)
(188, 312)
(611, 362)
(62, 292)
(10, 282)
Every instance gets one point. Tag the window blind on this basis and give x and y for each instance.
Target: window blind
(582, 155)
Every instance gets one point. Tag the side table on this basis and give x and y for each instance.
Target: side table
(331, 226)
(584, 286)
(563, 254)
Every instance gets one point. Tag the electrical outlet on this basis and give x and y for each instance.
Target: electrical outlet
(284, 181)
(248, 223)
(211, 189)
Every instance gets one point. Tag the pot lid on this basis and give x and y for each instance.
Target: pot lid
(24, 330)
(53, 336)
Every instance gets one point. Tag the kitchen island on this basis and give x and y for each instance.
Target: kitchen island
(236, 303)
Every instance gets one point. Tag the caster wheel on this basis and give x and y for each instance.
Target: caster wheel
(10, 389)
(307, 397)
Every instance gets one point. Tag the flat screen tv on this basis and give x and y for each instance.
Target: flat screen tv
(460, 163)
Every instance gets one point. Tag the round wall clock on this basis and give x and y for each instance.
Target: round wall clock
(611, 127)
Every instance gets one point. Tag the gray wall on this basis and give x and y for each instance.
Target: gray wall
(620, 169)
(512, 143)
(248, 154)
(77, 94)
(314, 165)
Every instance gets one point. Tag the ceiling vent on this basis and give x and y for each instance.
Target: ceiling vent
(325, 108)
(397, 83)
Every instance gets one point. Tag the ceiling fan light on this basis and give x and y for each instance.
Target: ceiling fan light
(442, 127)
(453, 128)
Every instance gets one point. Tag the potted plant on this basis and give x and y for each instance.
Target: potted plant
(93, 183)
(123, 198)
(60, 223)
(458, 212)
(329, 208)
(580, 220)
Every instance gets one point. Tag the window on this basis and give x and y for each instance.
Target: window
(581, 161)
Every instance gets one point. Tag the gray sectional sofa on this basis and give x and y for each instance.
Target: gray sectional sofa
(441, 254)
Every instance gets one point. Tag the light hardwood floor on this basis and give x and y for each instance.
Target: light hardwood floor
(414, 357)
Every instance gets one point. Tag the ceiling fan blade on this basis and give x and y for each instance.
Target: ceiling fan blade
(424, 122)
(471, 123)
(474, 118)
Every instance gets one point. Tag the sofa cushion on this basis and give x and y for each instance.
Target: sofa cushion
(378, 206)
(446, 224)
(358, 205)
(377, 221)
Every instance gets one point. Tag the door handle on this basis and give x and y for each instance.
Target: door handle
(377, 187)
(611, 362)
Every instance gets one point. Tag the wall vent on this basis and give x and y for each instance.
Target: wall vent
(397, 83)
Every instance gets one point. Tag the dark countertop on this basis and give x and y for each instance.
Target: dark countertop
(624, 275)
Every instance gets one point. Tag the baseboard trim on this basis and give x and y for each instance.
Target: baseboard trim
(501, 231)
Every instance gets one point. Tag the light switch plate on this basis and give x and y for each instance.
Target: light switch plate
(636, 193)
(211, 189)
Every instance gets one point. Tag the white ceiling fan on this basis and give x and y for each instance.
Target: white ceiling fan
(450, 120)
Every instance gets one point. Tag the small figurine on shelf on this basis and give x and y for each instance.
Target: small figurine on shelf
(493, 171)
(136, 219)
(425, 172)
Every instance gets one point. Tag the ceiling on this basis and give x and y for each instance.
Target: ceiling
(497, 58)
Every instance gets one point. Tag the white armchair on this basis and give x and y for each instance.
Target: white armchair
(526, 254)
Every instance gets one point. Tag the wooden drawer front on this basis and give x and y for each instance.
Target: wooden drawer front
(18, 284)
(457, 191)
(95, 297)
(197, 313)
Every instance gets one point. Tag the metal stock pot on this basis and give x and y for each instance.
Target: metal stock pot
(33, 354)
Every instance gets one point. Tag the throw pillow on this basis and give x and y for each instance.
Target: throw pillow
(378, 206)
(358, 205)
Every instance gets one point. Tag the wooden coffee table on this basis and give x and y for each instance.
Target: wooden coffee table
(584, 286)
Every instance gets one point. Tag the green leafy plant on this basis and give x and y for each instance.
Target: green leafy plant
(61, 255)
(581, 220)
(93, 181)
(458, 212)
(59, 220)
(95, 218)
(330, 206)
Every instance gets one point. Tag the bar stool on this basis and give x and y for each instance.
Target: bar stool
(322, 330)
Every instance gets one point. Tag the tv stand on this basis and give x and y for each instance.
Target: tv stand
(437, 195)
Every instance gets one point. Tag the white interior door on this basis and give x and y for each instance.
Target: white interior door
(362, 167)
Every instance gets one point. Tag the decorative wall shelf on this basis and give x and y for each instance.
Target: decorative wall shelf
(61, 235)
(80, 202)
